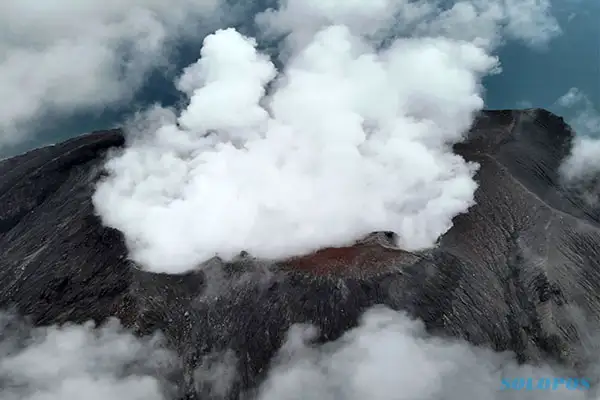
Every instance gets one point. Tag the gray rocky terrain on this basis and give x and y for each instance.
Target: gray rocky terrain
(520, 271)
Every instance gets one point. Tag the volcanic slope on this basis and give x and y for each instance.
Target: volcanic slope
(520, 271)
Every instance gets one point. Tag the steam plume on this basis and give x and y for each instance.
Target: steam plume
(354, 136)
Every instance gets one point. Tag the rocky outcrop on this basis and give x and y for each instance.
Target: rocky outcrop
(520, 271)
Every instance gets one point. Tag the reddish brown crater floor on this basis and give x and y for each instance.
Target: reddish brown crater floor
(358, 260)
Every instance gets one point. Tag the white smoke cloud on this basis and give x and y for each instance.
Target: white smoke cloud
(483, 22)
(59, 56)
(390, 356)
(584, 160)
(77, 361)
(387, 356)
(348, 133)
(583, 163)
(583, 116)
(571, 98)
(352, 138)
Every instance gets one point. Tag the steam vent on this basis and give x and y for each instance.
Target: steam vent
(506, 277)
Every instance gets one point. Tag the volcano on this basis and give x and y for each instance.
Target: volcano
(507, 276)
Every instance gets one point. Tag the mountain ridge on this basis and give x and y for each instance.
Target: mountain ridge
(507, 276)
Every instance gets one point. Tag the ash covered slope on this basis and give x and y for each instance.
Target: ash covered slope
(57, 262)
(518, 272)
(529, 248)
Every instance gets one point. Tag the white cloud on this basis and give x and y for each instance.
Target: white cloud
(390, 356)
(354, 141)
(353, 138)
(483, 22)
(387, 356)
(571, 98)
(58, 56)
(531, 21)
(78, 361)
(584, 161)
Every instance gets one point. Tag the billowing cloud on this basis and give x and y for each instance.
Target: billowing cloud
(353, 141)
(79, 361)
(483, 22)
(584, 161)
(62, 56)
(390, 356)
(353, 136)
(387, 356)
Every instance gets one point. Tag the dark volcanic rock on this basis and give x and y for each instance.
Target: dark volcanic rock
(57, 263)
(519, 272)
